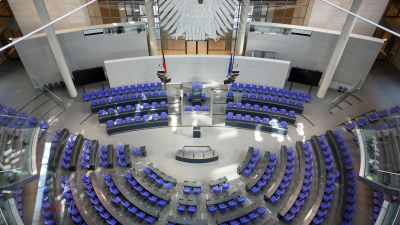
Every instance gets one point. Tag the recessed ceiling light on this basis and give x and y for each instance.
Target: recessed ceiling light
(121, 8)
(136, 10)
(115, 24)
(131, 22)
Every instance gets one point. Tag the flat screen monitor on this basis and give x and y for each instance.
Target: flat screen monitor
(304, 76)
(89, 76)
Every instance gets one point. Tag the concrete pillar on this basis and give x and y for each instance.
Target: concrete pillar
(242, 27)
(340, 45)
(55, 47)
(151, 27)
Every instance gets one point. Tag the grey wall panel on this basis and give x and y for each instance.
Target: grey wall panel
(80, 52)
(315, 52)
(199, 68)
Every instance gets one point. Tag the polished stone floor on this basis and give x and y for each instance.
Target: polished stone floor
(379, 91)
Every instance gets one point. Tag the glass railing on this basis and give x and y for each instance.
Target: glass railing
(391, 214)
(380, 143)
(48, 93)
(345, 95)
(9, 213)
(18, 151)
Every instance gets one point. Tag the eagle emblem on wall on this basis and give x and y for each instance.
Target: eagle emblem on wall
(197, 20)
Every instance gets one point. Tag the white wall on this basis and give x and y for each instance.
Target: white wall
(80, 52)
(28, 19)
(328, 17)
(198, 68)
(315, 52)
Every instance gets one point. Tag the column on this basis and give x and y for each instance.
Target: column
(55, 47)
(151, 27)
(242, 27)
(340, 45)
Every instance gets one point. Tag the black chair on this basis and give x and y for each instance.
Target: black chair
(51, 87)
(57, 86)
(62, 84)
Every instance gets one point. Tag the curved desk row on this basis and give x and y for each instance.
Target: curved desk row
(279, 105)
(110, 156)
(58, 149)
(149, 188)
(110, 209)
(149, 211)
(76, 150)
(183, 221)
(137, 126)
(196, 157)
(192, 184)
(255, 126)
(158, 99)
(240, 212)
(321, 180)
(262, 114)
(217, 182)
(161, 174)
(341, 166)
(92, 155)
(246, 160)
(223, 199)
(302, 171)
(281, 173)
(132, 113)
(260, 173)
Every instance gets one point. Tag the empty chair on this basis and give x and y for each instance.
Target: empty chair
(197, 108)
(86, 96)
(245, 95)
(276, 99)
(238, 116)
(225, 186)
(188, 108)
(308, 98)
(125, 97)
(260, 89)
(241, 87)
(283, 111)
(234, 87)
(292, 102)
(120, 91)
(247, 117)
(102, 101)
(299, 103)
(94, 102)
(373, 117)
(247, 88)
(93, 95)
(265, 108)
(284, 100)
(273, 91)
(301, 96)
(268, 97)
(383, 113)
(106, 92)
(230, 93)
(254, 88)
(280, 92)
(274, 109)
(284, 124)
(294, 95)
(117, 98)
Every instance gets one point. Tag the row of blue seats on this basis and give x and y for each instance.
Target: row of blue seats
(197, 85)
(264, 108)
(305, 187)
(326, 200)
(252, 164)
(104, 161)
(271, 91)
(256, 119)
(286, 178)
(190, 208)
(122, 90)
(252, 216)
(379, 198)
(117, 199)
(393, 123)
(274, 99)
(120, 109)
(190, 97)
(266, 175)
(218, 188)
(222, 207)
(122, 159)
(351, 180)
(46, 210)
(67, 194)
(66, 157)
(96, 201)
(327, 152)
(126, 97)
(159, 181)
(197, 108)
(143, 192)
(119, 121)
(86, 154)
(188, 190)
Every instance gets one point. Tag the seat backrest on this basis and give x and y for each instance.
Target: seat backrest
(146, 117)
(137, 118)
(188, 108)
(145, 105)
(128, 107)
(247, 106)
(239, 105)
(163, 104)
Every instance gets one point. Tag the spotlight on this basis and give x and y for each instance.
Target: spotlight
(164, 78)
(230, 78)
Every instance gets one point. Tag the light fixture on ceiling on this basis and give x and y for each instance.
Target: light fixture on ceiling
(136, 10)
(131, 22)
(121, 9)
(385, 39)
(114, 24)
